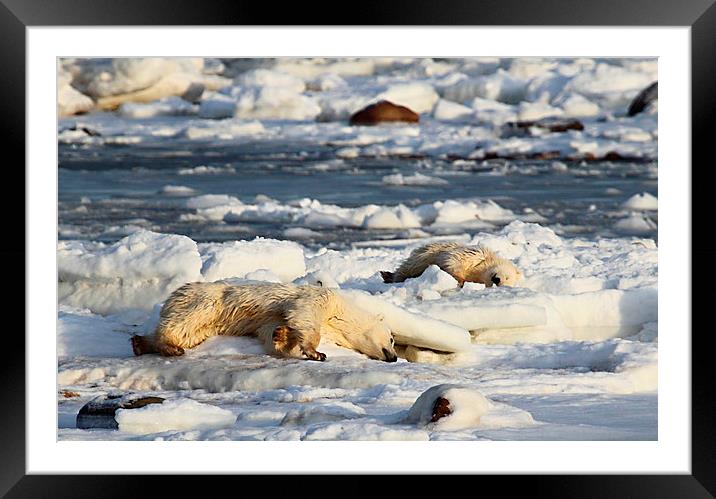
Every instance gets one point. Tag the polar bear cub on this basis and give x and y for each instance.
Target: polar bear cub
(289, 319)
(464, 263)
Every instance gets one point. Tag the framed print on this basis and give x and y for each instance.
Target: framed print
(444, 227)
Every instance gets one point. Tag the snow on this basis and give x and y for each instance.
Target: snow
(142, 269)
(135, 272)
(225, 130)
(419, 97)
(285, 259)
(470, 409)
(177, 190)
(79, 333)
(609, 84)
(415, 179)
(69, 100)
(462, 102)
(270, 78)
(577, 106)
(311, 213)
(167, 106)
(500, 86)
(270, 94)
(163, 76)
(641, 202)
(635, 223)
(206, 170)
(218, 106)
(413, 328)
(325, 82)
(446, 110)
(532, 111)
(180, 414)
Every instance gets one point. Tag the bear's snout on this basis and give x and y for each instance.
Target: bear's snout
(389, 357)
(496, 280)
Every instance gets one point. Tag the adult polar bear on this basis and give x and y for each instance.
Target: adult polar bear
(289, 319)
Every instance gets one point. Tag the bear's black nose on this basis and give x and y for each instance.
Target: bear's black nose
(389, 357)
(496, 280)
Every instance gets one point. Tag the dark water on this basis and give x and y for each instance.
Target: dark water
(104, 190)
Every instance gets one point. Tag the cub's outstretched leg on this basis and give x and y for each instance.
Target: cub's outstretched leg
(188, 317)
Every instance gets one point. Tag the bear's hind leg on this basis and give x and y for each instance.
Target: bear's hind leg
(143, 344)
(148, 344)
(168, 350)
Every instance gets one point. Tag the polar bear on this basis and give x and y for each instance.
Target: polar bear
(289, 319)
(464, 263)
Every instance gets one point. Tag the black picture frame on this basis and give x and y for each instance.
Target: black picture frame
(699, 15)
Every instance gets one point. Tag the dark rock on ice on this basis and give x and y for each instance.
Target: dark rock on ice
(384, 112)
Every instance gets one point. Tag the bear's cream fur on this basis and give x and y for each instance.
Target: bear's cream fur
(290, 320)
(464, 263)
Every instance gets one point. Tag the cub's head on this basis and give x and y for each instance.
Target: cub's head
(503, 273)
(373, 339)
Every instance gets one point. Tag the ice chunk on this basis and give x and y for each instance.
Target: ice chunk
(636, 223)
(413, 328)
(432, 279)
(82, 333)
(392, 218)
(419, 97)
(218, 106)
(135, 272)
(167, 106)
(641, 202)
(446, 110)
(451, 407)
(69, 100)
(284, 259)
(499, 86)
(177, 190)
(466, 407)
(173, 415)
(415, 179)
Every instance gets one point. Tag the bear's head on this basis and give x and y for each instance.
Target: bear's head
(372, 338)
(502, 273)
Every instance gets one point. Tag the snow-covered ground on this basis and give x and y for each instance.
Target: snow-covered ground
(560, 357)
(227, 150)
